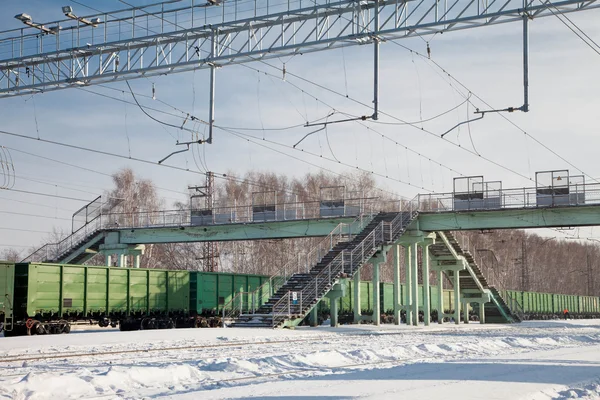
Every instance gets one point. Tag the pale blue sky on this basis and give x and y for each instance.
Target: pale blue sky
(564, 91)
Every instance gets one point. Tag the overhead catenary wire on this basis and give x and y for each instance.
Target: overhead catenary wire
(105, 153)
(500, 114)
(84, 168)
(46, 194)
(252, 138)
(475, 153)
(360, 121)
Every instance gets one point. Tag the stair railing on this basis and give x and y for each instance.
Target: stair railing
(513, 304)
(341, 233)
(54, 251)
(346, 262)
(514, 307)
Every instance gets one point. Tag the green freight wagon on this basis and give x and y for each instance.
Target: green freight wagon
(47, 297)
(211, 291)
(7, 277)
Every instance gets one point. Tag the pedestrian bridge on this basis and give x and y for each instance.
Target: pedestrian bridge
(473, 205)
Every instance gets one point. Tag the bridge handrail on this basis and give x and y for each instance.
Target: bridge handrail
(342, 232)
(512, 303)
(106, 219)
(53, 251)
(512, 198)
(344, 263)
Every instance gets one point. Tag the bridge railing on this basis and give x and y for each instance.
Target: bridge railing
(239, 214)
(573, 195)
(302, 264)
(346, 262)
(54, 251)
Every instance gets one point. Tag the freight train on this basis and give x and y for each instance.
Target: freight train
(42, 298)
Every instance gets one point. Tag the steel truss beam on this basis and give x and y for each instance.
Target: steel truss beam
(321, 26)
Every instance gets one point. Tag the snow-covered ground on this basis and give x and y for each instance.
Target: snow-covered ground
(532, 360)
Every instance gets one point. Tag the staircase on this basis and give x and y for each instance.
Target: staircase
(82, 244)
(472, 279)
(342, 260)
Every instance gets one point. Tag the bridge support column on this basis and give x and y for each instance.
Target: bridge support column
(314, 316)
(466, 312)
(482, 313)
(334, 313)
(376, 295)
(440, 288)
(356, 288)
(337, 291)
(415, 284)
(397, 294)
(456, 282)
(121, 261)
(379, 259)
(121, 251)
(426, 293)
(411, 240)
(408, 284)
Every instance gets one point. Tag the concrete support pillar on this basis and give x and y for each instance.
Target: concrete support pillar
(408, 299)
(376, 317)
(108, 260)
(356, 289)
(415, 284)
(466, 312)
(440, 288)
(456, 297)
(334, 312)
(482, 313)
(121, 260)
(397, 287)
(426, 296)
(136, 261)
(313, 316)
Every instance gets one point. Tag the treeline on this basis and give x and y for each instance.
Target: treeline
(510, 259)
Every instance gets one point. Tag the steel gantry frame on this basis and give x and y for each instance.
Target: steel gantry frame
(163, 38)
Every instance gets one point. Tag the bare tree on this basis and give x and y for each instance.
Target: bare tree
(10, 255)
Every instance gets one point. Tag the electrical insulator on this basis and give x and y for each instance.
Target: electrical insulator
(153, 92)
(428, 51)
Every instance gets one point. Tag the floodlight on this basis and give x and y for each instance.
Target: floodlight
(23, 17)
(68, 10)
(27, 20)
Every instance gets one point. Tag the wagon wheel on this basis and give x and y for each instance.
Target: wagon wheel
(65, 327)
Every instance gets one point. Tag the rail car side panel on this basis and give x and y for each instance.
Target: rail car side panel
(96, 290)
(387, 291)
(43, 289)
(118, 283)
(7, 284)
(72, 296)
(157, 290)
(207, 285)
(179, 290)
(138, 291)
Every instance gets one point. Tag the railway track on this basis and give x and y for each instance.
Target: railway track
(24, 358)
(330, 338)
